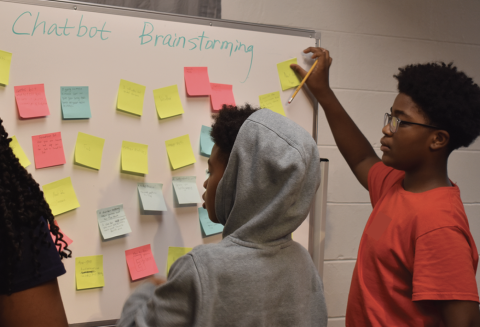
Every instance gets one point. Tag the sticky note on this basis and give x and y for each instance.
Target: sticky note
(273, 102)
(19, 153)
(151, 196)
(88, 150)
(141, 262)
(208, 226)
(197, 82)
(174, 253)
(186, 189)
(130, 97)
(60, 244)
(113, 221)
(89, 272)
(60, 196)
(31, 101)
(288, 78)
(48, 150)
(221, 94)
(135, 157)
(167, 101)
(180, 151)
(75, 102)
(206, 142)
(5, 62)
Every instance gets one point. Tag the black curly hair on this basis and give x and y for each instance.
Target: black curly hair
(227, 123)
(21, 205)
(448, 98)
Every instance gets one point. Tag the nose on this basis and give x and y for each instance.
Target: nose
(205, 184)
(386, 130)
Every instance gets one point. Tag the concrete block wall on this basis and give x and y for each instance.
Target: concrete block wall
(368, 41)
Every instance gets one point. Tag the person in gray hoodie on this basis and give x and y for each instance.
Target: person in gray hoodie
(264, 172)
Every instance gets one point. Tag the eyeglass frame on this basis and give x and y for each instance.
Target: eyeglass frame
(388, 118)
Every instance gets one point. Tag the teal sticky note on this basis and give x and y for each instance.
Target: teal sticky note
(206, 143)
(151, 196)
(186, 189)
(113, 221)
(75, 102)
(208, 227)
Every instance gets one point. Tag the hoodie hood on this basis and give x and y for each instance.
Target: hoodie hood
(271, 178)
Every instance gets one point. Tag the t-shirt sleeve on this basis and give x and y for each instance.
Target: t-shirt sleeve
(444, 267)
(380, 179)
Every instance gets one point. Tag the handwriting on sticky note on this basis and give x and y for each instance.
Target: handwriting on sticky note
(174, 253)
(288, 78)
(130, 97)
(88, 150)
(75, 102)
(208, 226)
(113, 221)
(206, 142)
(273, 102)
(167, 101)
(186, 189)
(197, 81)
(151, 196)
(60, 196)
(48, 150)
(60, 246)
(19, 153)
(221, 94)
(135, 157)
(89, 272)
(180, 151)
(141, 262)
(31, 101)
(5, 63)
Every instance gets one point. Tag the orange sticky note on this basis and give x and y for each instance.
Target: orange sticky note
(48, 150)
(31, 101)
(65, 238)
(197, 81)
(141, 262)
(221, 94)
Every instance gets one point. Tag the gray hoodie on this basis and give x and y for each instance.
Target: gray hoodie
(257, 275)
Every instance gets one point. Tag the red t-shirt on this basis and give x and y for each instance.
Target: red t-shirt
(415, 246)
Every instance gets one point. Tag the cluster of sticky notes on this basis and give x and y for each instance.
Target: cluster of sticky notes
(186, 189)
(288, 78)
(88, 150)
(141, 262)
(130, 97)
(89, 272)
(135, 157)
(197, 81)
(206, 142)
(174, 253)
(60, 196)
(208, 226)
(75, 102)
(272, 101)
(113, 221)
(60, 244)
(31, 101)
(151, 196)
(180, 152)
(221, 94)
(5, 63)
(48, 150)
(167, 101)
(19, 153)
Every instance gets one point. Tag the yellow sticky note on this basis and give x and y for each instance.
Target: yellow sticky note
(89, 272)
(5, 61)
(180, 152)
(167, 101)
(60, 196)
(174, 253)
(130, 97)
(88, 150)
(273, 102)
(287, 76)
(19, 153)
(135, 157)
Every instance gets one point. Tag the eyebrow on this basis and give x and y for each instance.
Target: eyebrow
(208, 161)
(399, 112)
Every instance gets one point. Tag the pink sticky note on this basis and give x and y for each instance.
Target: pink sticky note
(65, 238)
(48, 150)
(197, 81)
(221, 94)
(31, 101)
(140, 262)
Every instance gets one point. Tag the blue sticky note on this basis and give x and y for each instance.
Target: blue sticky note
(75, 102)
(206, 143)
(152, 196)
(209, 227)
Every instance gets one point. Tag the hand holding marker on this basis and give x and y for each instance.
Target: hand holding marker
(303, 82)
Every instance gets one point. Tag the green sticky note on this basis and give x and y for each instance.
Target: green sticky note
(180, 151)
(287, 76)
(208, 226)
(135, 157)
(130, 97)
(151, 196)
(60, 196)
(206, 142)
(167, 101)
(89, 272)
(174, 253)
(5, 61)
(88, 150)
(75, 102)
(186, 189)
(273, 102)
(113, 221)
(19, 153)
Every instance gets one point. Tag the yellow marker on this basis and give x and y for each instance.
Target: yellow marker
(180, 152)
(167, 102)
(130, 97)
(89, 272)
(88, 150)
(272, 101)
(174, 253)
(19, 153)
(5, 62)
(135, 157)
(303, 82)
(287, 75)
(60, 196)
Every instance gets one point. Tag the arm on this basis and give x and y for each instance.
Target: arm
(352, 144)
(460, 313)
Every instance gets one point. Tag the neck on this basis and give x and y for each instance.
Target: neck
(426, 178)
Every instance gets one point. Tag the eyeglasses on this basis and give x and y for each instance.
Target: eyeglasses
(394, 122)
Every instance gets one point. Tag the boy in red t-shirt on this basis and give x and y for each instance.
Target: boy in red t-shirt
(417, 259)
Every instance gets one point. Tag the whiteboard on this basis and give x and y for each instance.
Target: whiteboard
(58, 56)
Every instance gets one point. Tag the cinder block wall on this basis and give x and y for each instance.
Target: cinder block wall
(368, 41)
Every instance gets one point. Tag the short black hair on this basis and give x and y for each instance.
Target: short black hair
(448, 98)
(227, 123)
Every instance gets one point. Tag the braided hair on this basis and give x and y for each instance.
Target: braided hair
(21, 206)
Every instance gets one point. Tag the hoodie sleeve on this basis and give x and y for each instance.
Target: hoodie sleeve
(175, 303)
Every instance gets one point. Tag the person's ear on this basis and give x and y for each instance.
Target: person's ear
(440, 140)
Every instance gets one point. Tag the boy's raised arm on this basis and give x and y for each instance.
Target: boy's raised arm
(353, 145)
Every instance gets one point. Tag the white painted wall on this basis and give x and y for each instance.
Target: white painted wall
(368, 41)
